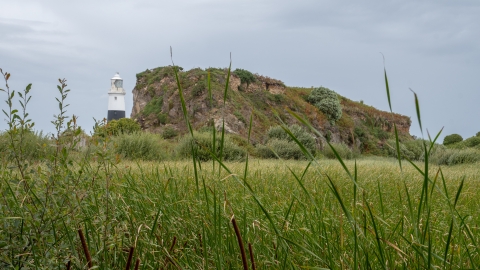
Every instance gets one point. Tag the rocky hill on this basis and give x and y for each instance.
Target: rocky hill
(157, 106)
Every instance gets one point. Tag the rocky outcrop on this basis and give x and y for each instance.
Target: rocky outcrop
(157, 104)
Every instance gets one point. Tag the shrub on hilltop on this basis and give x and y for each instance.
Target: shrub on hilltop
(451, 139)
(245, 76)
(326, 101)
(472, 141)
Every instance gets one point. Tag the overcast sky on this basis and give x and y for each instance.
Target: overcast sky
(432, 47)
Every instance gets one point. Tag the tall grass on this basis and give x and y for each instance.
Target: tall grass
(142, 145)
(203, 147)
(312, 214)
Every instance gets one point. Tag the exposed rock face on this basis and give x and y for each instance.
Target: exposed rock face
(262, 83)
(379, 119)
(157, 104)
(139, 101)
(275, 89)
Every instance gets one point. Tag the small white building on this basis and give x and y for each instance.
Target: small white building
(116, 99)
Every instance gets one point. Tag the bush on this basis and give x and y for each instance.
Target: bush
(320, 93)
(305, 138)
(478, 134)
(162, 118)
(416, 148)
(455, 156)
(451, 139)
(35, 146)
(326, 101)
(245, 76)
(283, 148)
(342, 149)
(277, 98)
(445, 156)
(141, 145)
(203, 147)
(391, 149)
(117, 127)
(472, 141)
(440, 154)
(199, 88)
(379, 133)
(169, 132)
(412, 150)
(242, 142)
(464, 156)
(264, 151)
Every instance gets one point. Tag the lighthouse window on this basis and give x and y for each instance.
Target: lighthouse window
(115, 98)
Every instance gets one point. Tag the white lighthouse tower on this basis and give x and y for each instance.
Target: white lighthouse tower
(116, 99)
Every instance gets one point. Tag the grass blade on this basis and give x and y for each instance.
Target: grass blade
(377, 236)
(387, 88)
(417, 107)
(447, 245)
(155, 222)
(337, 195)
(458, 192)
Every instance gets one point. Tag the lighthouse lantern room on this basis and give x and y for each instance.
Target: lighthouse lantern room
(116, 99)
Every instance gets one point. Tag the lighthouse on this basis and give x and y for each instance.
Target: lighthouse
(116, 99)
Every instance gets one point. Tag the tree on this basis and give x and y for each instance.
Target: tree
(451, 139)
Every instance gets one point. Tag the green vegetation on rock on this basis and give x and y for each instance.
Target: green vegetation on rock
(326, 101)
(245, 76)
(361, 127)
(154, 106)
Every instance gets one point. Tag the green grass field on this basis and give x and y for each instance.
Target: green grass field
(291, 216)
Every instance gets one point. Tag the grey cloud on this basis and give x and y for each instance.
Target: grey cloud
(431, 46)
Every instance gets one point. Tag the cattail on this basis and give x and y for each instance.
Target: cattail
(240, 243)
(129, 260)
(85, 248)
